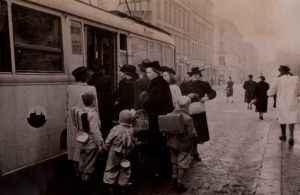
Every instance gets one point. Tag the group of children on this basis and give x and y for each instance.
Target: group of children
(121, 140)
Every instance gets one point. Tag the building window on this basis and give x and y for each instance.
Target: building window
(123, 42)
(38, 41)
(222, 60)
(5, 61)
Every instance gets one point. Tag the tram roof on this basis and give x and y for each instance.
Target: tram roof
(115, 20)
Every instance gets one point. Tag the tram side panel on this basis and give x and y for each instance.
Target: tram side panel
(32, 121)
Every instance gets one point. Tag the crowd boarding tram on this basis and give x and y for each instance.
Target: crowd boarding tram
(41, 42)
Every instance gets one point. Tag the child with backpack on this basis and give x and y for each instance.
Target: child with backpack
(180, 144)
(119, 143)
(92, 144)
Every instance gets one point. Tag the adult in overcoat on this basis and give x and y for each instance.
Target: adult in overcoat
(201, 91)
(141, 85)
(229, 90)
(157, 102)
(261, 97)
(286, 87)
(249, 87)
(125, 92)
(103, 85)
(74, 98)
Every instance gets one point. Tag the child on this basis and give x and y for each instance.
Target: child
(89, 150)
(119, 144)
(181, 145)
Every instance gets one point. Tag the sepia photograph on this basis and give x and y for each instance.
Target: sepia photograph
(149, 97)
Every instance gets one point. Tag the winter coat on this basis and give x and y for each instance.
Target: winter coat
(249, 87)
(287, 89)
(261, 96)
(229, 87)
(141, 85)
(74, 98)
(202, 89)
(184, 141)
(125, 94)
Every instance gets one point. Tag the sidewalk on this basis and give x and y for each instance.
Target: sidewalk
(281, 165)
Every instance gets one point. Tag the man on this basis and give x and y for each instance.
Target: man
(249, 87)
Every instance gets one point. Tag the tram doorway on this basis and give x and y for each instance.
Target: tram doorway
(102, 47)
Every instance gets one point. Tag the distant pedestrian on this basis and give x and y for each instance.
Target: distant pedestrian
(181, 145)
(249, 87)
(261, 97)
(74, 98)
(229, 90)
(286, 87)
(169, 75)
(199, 91)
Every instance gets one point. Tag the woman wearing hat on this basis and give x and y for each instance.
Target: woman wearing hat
(261, 97)
(286, 87)
(74, 97)
(125, 92)
(198, 91)
(158, 101)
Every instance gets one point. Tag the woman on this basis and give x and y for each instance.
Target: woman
(169, 75)
(229, 90)
(198, 91)
(125, 92)
(286, 87)
(157, 102)
(74, 98)
(261, 97)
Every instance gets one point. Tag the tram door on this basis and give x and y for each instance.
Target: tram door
(101, 47)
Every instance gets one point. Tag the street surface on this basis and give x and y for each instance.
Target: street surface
(243, 157)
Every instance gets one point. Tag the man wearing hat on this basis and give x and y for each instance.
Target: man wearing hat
(198, 91)
(158, 101)
(261, 97)
(125, 92)
(286, 87)
(249, 87)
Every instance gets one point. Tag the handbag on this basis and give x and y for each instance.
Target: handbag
(196, 108)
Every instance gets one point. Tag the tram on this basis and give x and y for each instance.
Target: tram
(41, 43)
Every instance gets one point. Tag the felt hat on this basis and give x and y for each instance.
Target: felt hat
(195, 70)
(284, 68)
(129, 70)
(167, 69)
(154, 64)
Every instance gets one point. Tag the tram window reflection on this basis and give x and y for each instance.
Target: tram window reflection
(5, 61)
(38, 42)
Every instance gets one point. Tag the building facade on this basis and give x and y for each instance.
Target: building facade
(190, 23)
(232, 56)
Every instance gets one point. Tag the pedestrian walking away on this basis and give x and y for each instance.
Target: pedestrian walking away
(229, 90)
(249, 87)
(261, 97)
(286, 87)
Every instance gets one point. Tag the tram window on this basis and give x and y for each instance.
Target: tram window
(38, 42)
(123, 42)
(5, 62)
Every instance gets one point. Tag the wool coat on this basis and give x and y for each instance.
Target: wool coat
(286, 88)
(261, 96)
(74, 93)
(249, 87)
(201, 88)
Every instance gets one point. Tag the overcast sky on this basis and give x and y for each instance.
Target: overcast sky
(268, 24)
